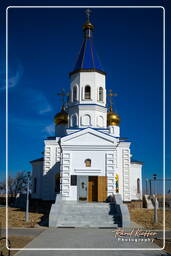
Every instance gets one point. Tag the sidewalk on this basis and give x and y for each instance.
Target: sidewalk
(86, 238)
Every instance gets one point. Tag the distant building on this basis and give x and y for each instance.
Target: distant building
(87, 159)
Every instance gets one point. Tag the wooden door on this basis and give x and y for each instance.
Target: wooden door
(92, 188)
(102, 188)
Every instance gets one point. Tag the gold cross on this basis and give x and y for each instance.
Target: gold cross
(111, 94)
(87, 12)
(62, 94)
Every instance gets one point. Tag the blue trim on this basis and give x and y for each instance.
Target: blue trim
(98, 129)
(71, 106)
(87, 127)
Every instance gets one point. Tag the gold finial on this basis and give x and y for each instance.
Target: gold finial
(111, 94)
(88, 25)
(62, 116)
(112, 118)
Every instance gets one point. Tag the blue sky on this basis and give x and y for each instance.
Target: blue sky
(43, 47)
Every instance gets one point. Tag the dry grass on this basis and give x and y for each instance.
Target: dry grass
(145, 218)
(16, 218)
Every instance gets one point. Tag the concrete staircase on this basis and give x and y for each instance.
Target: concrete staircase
(83, 214)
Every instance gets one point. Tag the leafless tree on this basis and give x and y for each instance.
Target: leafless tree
(16, 184)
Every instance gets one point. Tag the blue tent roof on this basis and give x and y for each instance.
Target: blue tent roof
(87, 58)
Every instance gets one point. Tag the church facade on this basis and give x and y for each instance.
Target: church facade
(87, 160)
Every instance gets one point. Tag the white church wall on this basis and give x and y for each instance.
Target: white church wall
(95, 80)
(73, 163)
(119, 169)
(123, 153)
(136, 173)
(97, 158)
(37, 172)
(65, 169)
(87, 144)
(90, 112)
(75, 80)
(114, 130)
(52, 156)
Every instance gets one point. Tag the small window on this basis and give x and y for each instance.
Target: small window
(138, 185)
(100, 94)
(73, 180)
(35, 185)
(87, 92)
(88, 162)
(75, 93)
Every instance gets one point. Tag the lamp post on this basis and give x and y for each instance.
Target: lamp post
(154, 178)
(155, 199)
(146, 187)
(27, 200)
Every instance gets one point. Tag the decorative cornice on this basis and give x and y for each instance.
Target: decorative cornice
(87, 70)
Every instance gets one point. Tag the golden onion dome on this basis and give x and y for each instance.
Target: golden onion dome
(112, 118)
(61, 117)
(88, 25)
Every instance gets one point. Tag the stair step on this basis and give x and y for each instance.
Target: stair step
(75, 214)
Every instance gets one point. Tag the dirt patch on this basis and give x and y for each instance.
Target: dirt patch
(145, 217)
(16, 218)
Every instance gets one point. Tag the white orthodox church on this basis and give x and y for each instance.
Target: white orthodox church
(87, 160)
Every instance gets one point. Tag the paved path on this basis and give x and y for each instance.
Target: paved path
(23, 231)
(86, 238)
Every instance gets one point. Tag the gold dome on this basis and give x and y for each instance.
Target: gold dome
(61, 117)
(112, 118)
(88, 25)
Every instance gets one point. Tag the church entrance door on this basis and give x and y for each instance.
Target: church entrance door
(82, 183)
(102, 188)
(92, 188)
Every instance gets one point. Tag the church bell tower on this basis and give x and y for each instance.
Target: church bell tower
(87, 104)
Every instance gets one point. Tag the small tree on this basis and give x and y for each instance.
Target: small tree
(16, 184)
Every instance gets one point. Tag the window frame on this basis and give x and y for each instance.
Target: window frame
(138, 186)
(86, 162)
(74, 93)
(101, 93)
(87, 93)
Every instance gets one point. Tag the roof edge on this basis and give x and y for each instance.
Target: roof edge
(37, 160)
(137, 162)
(87, 70)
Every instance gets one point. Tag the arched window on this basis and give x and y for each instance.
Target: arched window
(88, 162)
(75, 93)
(138, 185)
(35, 185)
(86, 120)
(87, 92)
(100, 94)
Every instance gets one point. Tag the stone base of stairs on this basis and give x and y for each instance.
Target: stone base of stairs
(83, 214)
